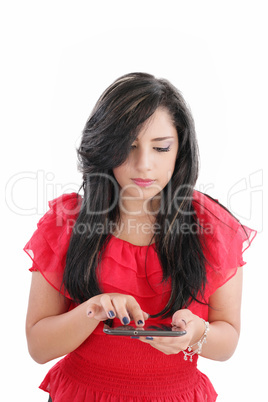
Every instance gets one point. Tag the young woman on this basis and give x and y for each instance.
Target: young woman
(140, 246)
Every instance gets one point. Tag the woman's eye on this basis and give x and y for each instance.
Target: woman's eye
(158, 149)
(162, 149)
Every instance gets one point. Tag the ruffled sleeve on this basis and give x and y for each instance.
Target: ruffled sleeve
(225, 240)
(49, 244)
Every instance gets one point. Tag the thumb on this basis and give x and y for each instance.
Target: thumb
(93, 309)
(179, 319)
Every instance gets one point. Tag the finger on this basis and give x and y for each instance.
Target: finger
(128, 309)
(181, 318)
(93, 310)
(107, 305)
(120, 307)
(136, 312)
(180, 324)
(160, 344)
(164, 344)
(156, 339)
(96, 310)
(145, 315)
(147, 339)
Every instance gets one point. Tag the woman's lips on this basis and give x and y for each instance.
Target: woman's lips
(143, 182)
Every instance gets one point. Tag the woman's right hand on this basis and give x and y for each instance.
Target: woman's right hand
(110, 305)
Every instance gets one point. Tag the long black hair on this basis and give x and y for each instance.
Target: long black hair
(112, 127)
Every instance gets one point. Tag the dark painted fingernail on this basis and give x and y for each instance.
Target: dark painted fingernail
(111, 314)
(135, 337)
(140, 322)
(125, 321)
(149, 338)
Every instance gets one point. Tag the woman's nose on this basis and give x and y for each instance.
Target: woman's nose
(143, 160)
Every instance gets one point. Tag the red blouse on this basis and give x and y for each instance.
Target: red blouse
(112, 369)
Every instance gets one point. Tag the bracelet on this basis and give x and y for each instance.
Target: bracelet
(189, 352)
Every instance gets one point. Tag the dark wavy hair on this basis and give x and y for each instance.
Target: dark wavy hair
(113, 125)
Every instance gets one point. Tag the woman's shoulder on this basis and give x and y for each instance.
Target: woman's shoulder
(62, 213)
(217, 223)
(49, 244)
(66, 206)
(210, 212)
(60, 217)
(223, 237)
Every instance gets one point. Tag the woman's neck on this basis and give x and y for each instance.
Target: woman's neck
(136, 223)
(142, 209)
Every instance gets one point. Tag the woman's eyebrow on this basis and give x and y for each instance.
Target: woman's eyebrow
(157, 139)
(160, 138)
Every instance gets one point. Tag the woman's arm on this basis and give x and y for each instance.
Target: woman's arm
(52, 331)
(224, 319)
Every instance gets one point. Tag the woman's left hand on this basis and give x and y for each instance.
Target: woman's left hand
(184, 320)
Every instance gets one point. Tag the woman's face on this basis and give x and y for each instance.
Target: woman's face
(150, 164)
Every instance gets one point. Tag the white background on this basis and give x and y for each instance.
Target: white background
(57, 58)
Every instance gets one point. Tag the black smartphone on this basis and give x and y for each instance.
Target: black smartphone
(148, 330)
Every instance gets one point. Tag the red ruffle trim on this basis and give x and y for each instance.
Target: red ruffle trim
(224, 242)
(224, 239)
(49, 244)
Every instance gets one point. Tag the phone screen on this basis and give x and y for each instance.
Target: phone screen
(148, 330)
